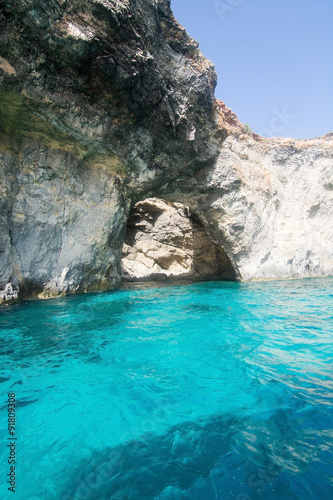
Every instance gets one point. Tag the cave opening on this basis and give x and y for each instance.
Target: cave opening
(166, 242)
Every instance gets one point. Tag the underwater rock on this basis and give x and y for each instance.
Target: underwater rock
(155, 466)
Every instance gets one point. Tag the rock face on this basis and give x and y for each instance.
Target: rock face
(278, 220)
(165, 241)
(106, 103)
(102, 101)
(269, 203)
(61, 222)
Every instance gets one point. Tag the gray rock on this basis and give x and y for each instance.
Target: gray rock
(98, 104)
(9, 294)
(107, 103)
(166, 241)
(276, 217)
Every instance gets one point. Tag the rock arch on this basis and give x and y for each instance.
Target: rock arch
(167, 241)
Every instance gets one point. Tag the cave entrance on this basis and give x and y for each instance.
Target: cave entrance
(166, 241)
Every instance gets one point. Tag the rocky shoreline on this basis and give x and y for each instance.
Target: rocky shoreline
(108, 103)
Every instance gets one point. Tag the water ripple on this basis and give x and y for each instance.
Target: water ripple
(206, 391)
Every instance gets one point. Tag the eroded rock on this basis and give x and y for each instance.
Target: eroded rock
(166, 241)
(9, 294)
(100, 103)
(268, 205)
(105, 103)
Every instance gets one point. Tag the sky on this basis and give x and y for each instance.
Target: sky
(273, 59)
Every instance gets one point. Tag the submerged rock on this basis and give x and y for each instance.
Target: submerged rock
(105, 103)
(155, 466)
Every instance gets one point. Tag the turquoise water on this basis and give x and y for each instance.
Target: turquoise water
(205, 391)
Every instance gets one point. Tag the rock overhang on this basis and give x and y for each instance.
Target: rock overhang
(106, 103)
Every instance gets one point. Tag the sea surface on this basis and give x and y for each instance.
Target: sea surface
(203, 391)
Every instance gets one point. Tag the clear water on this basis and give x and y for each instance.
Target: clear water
(206, 391)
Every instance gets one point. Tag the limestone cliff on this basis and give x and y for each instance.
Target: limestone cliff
(269, 203)
(104, 103)
(166, 241)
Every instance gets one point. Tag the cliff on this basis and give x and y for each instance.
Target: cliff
(105, 103)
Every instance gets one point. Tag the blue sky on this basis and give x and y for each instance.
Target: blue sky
(273, 59)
